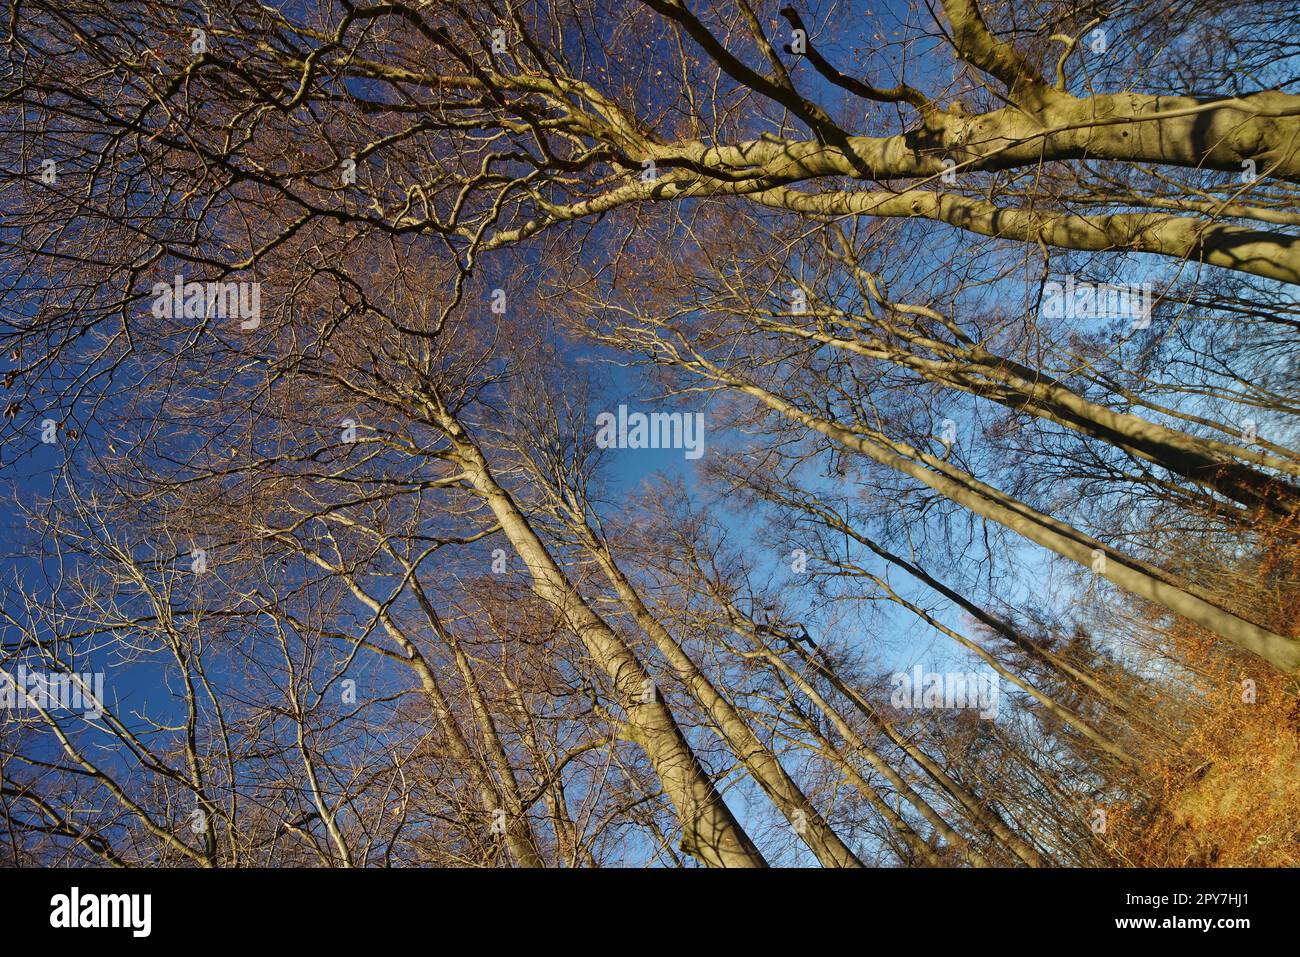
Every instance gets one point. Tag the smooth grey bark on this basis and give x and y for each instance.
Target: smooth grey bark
(710, 831)
(1133, 575)
(757, 758)
(971, 368)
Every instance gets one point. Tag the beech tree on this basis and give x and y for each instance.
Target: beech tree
(987, 311)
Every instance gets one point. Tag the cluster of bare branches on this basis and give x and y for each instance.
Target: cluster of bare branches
(987, 310)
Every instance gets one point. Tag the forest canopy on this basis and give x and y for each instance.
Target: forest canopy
(570, 433)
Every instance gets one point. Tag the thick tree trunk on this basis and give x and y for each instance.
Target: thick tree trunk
(711, 832)
(1215, 465)
(765, 767)
(1128, 573)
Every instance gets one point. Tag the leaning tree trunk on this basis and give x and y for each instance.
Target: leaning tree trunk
(1131, 574)
(758, 759)
(710, 831)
